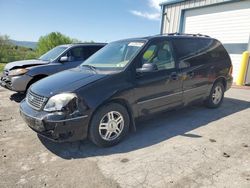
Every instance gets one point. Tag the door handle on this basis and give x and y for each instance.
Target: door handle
(174, 76)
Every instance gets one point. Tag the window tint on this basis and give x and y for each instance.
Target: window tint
(189, 47)
(159, 53)
(195, 52)
(219, 53)
(91, 50)
(76, 54)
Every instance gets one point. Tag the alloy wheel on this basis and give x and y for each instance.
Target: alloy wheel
(217, 94)
(111, 125)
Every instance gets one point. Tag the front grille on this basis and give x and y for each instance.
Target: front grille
(35, 101)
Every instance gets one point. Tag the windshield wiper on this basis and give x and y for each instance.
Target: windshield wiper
(90, 67)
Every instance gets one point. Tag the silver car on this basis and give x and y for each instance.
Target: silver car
(19, 75)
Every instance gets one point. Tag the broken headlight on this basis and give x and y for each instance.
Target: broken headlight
(17, 72)
(62, 102)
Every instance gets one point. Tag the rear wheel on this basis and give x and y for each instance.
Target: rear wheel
(109, 125)
(216, 96)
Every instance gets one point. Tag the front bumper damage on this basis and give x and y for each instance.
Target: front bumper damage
(15, 83)
(55, 126)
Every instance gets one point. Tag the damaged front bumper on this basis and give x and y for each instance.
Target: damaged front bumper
(55, 126)
(15, 83)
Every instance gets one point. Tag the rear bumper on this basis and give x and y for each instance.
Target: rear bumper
(229, 83)
(55, 126)
(15, 83)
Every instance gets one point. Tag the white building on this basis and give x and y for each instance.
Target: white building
(226, 20)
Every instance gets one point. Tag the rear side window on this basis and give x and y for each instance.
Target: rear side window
(219, 53)
(198, 51)
(188, 47)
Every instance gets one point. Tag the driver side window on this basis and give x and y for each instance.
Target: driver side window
(160, 54)
(76, 54)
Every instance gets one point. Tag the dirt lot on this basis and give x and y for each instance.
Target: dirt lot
(192, 147)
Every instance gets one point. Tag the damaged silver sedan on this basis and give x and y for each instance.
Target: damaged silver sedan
(20, 75)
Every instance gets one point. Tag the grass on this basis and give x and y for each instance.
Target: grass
(2, 66)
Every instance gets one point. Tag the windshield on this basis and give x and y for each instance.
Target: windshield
(53, 53)
(115, 54)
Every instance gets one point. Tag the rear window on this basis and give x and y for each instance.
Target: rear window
(219, 53)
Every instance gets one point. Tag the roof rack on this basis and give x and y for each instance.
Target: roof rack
(88, 43)
(187, 34)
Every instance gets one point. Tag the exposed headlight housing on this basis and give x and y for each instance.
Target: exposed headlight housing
(62, 102)
(17, 72)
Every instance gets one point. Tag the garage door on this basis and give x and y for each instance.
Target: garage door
(228, 22)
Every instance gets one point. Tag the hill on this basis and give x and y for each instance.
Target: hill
(26, 44)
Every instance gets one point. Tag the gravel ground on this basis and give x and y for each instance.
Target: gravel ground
(191, 147)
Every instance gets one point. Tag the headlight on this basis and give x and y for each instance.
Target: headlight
(62, 102)
(17, 72)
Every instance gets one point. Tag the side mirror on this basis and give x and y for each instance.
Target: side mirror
(147, 67)
(64, 59)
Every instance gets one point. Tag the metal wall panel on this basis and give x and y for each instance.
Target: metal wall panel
(228, 22)
(172, 13)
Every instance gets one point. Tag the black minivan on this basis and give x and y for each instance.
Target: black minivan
(125, 80)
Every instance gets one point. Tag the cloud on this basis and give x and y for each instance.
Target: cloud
(150, 16)
(155, 4)
(155, 14)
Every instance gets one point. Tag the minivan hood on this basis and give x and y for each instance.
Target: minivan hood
(24, 63)
(65, 81)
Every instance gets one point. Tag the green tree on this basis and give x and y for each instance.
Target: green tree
(4, 46)
(47, 42)
(10, 52)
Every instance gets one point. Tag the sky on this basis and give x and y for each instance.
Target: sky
(85, 20)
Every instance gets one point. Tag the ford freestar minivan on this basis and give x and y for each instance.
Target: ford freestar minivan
(125, 80)
(19, 75)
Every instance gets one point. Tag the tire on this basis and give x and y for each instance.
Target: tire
(109, 125)
(216, 96)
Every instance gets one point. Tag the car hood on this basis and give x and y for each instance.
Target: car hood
(65, 81)
(24, 63)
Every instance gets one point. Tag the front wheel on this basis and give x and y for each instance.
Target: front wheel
(109, 125)
(216, 96)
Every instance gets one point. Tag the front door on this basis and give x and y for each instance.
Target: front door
(159, 89)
